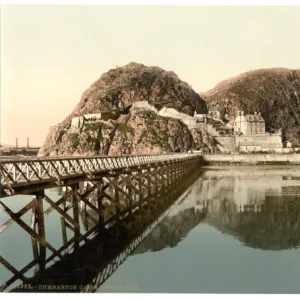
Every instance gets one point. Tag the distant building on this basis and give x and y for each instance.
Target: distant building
(214, 113)
(200, 118)
(249, 124)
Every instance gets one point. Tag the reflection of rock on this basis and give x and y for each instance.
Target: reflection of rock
(172, 230)
(271, 226)
(261, 208)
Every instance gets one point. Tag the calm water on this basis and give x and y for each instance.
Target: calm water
(237, 231)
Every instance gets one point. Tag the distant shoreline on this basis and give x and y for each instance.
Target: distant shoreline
(252, 159)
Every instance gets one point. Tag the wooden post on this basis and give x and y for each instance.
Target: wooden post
(141, 196)
(35, 250)
(173, 173)
(129, 197)
(63, 225)
(149, 186)
(76, 223)
(117, 202)
(157, 191)
(39, 210)
(100, 215)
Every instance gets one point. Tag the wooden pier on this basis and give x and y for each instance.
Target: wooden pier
(120, 196)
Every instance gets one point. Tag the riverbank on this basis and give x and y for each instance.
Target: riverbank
(252, 159)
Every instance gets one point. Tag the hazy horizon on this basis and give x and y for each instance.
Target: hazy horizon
(50, 54)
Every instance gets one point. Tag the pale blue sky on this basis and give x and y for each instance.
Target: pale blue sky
(51, 54)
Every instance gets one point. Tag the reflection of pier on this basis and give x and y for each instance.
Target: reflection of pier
(137, 196)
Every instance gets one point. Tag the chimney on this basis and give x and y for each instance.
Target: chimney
(242, 113)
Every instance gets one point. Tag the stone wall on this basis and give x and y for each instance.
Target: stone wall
(266, 149)
(227, 142)
(289, 158)
(265, 140)
(189, 121)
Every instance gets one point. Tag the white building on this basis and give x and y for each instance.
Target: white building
(249, 124)
(200, 118)
(77, 121)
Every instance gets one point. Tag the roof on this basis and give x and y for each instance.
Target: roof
(254, 118)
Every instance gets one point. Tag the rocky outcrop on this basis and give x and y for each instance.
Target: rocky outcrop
(120, 87)
(127, 128)
(139, 131)
(273, 92)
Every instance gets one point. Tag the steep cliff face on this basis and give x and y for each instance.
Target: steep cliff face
(126, 129)
(273, 92)
(140, 131)
(122, 86)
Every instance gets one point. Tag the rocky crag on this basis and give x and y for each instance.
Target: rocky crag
(273, 92)
(124, 128)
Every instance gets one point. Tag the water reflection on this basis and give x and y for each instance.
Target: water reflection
(261, 212)
(258, 206)
(224, 237)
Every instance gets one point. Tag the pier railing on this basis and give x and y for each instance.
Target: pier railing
(28, 171)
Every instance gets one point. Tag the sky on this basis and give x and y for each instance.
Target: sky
(50, 54)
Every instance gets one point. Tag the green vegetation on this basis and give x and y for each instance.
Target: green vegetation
(143, 134)
(110, 115)
(74, 139)
(62, 132)
(96, 126)
(125, 128)
(126, 110)
(60, 135)
(161, 140)
(95, 139)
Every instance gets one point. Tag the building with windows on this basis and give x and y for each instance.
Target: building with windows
(249, 124)
(200, 118)
(214, 113)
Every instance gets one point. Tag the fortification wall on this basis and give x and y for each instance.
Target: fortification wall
(173, 113)
(145, 105)
(265, 140)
